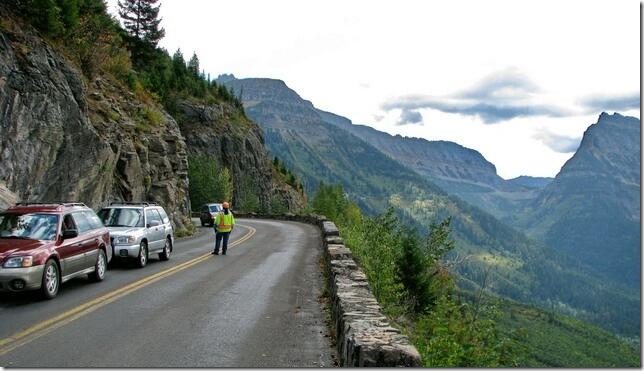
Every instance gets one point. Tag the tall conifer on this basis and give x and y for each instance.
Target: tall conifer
(141, 20)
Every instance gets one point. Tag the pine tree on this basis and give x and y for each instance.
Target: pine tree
(193, 65)
(141, 20)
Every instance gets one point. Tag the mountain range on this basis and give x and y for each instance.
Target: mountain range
(427, 181)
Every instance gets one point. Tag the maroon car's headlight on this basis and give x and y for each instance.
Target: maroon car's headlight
(19, 262)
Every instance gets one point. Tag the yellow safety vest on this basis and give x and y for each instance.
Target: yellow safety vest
(224, 222)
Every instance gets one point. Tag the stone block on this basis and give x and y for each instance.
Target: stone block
(329, 229)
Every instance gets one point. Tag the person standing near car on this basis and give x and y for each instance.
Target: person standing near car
(224, 223)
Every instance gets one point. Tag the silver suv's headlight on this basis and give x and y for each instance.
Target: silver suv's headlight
(124, 240)
(19, 262)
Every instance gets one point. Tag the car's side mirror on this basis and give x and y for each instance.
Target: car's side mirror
(154, 223)
(70, 233)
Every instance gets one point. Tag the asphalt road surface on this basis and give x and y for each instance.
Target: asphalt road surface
(258, 306)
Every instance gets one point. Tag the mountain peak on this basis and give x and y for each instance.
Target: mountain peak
(616, 118)
(225, 77)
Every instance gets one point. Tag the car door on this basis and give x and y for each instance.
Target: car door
(88, 239)
(99, 231)
(167, 226)
(70, 250)
(205, 215)
(155, 229)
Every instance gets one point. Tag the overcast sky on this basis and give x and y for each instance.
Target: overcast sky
(519, 81)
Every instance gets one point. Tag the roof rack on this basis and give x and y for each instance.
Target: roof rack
(146, 203)
(61, 203)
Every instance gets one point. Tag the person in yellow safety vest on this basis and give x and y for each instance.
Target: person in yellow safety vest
(224, 223)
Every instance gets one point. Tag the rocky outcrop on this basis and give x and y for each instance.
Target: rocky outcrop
(7, 198)
(221, 131)
(63, 138)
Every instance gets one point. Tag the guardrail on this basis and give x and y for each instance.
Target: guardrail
(365, 337)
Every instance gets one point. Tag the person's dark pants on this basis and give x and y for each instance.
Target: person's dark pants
(218, 237)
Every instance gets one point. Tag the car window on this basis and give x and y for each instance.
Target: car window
(94, 221)
(82, 224)
(164, 216)
(151, 214)
(214, 208)
(68, 223)
(125, 217)
(29, 226)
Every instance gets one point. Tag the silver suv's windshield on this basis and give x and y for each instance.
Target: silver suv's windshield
(29, 226)
(126, 217)
(214, 208)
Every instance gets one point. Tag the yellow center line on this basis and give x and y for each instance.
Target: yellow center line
(34, 332)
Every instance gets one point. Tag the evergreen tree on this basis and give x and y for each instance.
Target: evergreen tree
(141, 20)
(193, 65)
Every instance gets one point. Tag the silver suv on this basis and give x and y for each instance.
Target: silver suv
(138, 230)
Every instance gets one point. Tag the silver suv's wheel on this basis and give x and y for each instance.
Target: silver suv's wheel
(99, 268)
(143, 255)
(167, 250)
(50, 280)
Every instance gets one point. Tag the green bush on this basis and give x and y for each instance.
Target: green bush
(247, 199)
(208, 182)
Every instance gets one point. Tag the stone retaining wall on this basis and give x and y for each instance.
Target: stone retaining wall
(364, 336)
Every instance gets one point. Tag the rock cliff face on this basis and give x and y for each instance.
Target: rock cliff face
(236, 143)
(62, 138)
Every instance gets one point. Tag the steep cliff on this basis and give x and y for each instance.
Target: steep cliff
(64, 138)
(221, 131)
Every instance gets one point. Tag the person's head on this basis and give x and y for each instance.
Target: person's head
(226, 205)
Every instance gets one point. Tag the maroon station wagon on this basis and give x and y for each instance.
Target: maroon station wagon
(45, 244)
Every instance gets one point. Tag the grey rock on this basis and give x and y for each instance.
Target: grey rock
(329, 229)
(62, 138)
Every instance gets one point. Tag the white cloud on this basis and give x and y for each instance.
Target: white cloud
(558, 143)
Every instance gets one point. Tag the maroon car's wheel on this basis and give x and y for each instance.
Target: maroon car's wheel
(50, 280)
(99, 268)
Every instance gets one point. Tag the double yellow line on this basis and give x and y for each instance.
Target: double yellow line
(43, 328)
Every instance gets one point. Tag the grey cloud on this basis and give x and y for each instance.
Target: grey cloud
(408, 117)
(490, 113)
(558, 143)
(499, 97)
(596, 103)
(506, 84)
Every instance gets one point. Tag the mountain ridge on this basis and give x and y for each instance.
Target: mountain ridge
(523, 269)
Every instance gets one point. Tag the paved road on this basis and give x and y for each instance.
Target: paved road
(258, 306)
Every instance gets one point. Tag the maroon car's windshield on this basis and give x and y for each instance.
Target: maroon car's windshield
(29, 226)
